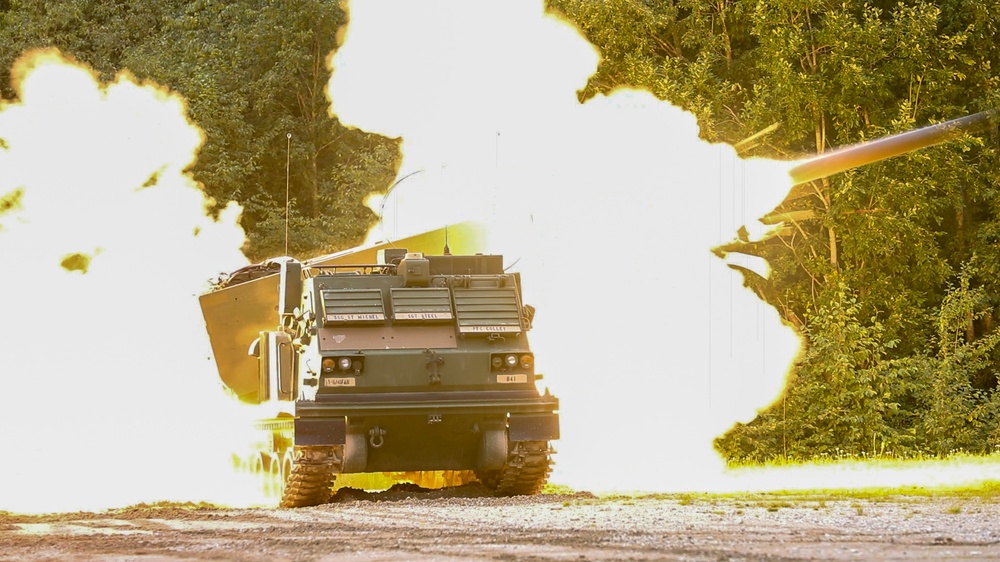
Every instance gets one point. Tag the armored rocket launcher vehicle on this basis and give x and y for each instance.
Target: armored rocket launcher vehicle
(405, 360)
(415, 365)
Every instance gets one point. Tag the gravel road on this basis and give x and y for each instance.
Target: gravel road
(468, 524)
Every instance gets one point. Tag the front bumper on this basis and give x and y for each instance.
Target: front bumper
(530, 416)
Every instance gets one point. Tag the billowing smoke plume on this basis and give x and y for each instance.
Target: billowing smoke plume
(109, 396)
(610, 208)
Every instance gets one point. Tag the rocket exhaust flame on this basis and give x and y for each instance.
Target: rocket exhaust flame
(609, 207)
(103, 356)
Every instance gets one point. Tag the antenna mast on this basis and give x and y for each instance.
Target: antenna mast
(288, 159)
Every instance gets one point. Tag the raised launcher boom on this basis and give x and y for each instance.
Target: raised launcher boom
(414, 369)
(861, 154)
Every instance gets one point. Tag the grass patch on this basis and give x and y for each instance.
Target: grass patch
(776, 505)
(819, 498)
(961, 476)
(558, 490)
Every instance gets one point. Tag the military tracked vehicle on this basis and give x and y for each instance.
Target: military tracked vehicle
(415, 366)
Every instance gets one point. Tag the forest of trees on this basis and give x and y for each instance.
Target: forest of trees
(890, 271)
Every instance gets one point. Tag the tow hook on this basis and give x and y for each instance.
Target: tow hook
(376, 437)
(434, 362)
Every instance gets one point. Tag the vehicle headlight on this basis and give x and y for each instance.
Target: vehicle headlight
(526, 362)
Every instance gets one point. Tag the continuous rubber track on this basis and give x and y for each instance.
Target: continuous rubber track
(312, 476)
(525, 471)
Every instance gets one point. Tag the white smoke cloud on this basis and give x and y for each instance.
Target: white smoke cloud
(610, 209)
(109, 395)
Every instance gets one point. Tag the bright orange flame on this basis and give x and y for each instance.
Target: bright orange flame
(109, 395)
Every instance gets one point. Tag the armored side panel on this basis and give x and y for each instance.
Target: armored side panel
(276, 376)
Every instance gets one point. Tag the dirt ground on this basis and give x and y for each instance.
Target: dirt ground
(466, 523)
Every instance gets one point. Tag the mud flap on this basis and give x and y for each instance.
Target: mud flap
(534, 427)
(493, 451)
(356, 449)
(330, 431)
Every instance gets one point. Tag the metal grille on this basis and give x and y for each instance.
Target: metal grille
(421, 305)
(487, 311)
(353, 306)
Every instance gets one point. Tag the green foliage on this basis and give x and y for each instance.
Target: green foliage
(959, 416)
(685, 51)
(845, 396)
(847, 399)
(254, 73)
(76, 262)
(845, 360)
(95, 32)
(11, 200)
